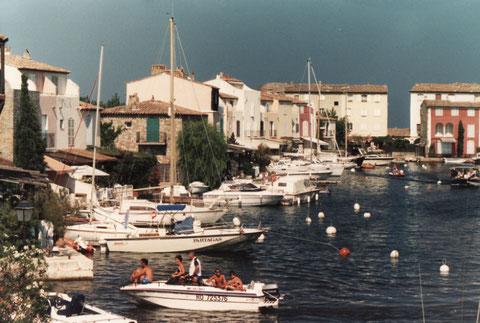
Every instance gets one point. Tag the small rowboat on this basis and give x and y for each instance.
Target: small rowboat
(367, 166)
(398, 174)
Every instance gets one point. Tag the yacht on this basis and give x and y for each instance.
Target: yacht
(300, 167)
(294, 188)
(376, 158)
(242, 193)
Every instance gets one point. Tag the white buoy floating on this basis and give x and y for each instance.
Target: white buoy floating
(261, 238)
(331, 230)
(407, 187)
(394, 254)
(316, 197)
(352, 170)
(321, 215)
(308, 220)
(356, 206)
(367, 215)
(236, 222)
(439, 182)
(444, 269)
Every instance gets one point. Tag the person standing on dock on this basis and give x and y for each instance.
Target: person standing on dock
(195, 270)
(144, 274)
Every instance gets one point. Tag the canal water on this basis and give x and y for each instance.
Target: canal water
(426, 222)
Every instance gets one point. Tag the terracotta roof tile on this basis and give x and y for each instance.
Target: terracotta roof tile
(450, 104)
(149, 108)
(325, 88)
(29, 64)
(398, 132)
(265, 96)
(88, 106)
(446, 87)
(227, 96)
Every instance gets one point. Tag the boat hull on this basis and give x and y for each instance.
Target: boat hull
(243, 199)
(217, 240)
(385, 161)
(203, 298)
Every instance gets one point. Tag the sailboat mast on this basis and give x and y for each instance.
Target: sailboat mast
(172, 111)
(346, 125)
(309, 106)
(95, 129)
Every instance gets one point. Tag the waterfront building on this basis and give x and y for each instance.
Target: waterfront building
(454, 92)
(56, 97)
(146, 126)
(244, 120)
(440, 120)
(365, 105)
(195, 95)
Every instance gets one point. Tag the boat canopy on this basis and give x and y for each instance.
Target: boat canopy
(170, 207)
(186, 226)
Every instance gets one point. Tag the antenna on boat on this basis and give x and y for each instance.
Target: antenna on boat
(99, 93)
(173, 165)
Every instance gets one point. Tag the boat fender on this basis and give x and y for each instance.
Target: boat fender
(394, 254)
(308, 220)
(356, 206)
(444, 269)
(367, 215)
(344, 252)
(331, 230)
(321, 215)
(236, 221)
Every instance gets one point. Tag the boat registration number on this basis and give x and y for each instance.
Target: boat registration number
(212, 298)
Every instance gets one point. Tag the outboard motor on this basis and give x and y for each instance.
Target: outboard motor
(272, 292)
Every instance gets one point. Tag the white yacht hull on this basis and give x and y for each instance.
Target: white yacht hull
(378, 161)
(240, 199)
(203, 298)
(95, 232)
(206, 240)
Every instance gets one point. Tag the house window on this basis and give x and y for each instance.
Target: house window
(71, 132)
(420, 97)
(272, 130)
(31, 77)
(454, 112)
(267, 106)
(364, 98)
(322, 97)
(377, 112)
(364, 111)
(439, 130)
(62, 126)
(377, 98)
(238, 128)
(438, 96)
(470, 147)
(451, 97)
(439, 112)
(446, 148)
(350, 98)
(335, 103)
(471, 131)
(449, 130)
(128, 124)
(471, 112)
(476, 98)
(153, 128)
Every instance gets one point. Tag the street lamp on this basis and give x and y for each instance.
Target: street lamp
(24, 211)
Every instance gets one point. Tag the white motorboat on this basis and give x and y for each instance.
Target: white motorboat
(198, 187)
(253, 298)
(240, 194)
(294, 188)
(375, 159)
(299, 167)
(99, 231)
(74, 310)
(456, 161)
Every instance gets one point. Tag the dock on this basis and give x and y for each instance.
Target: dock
(75, 267)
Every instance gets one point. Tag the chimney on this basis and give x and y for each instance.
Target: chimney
(26, 54)
(158, 69)
(221, 75)
(133, 99)
(7, 50)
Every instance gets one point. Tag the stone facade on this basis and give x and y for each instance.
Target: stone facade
(8, 118)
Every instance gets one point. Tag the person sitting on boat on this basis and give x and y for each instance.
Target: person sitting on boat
(218, 280)
(144, 274)
(195, 270)
(234, 283)
(180, 269)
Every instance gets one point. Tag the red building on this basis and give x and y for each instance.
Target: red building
(439, 127)
(306, 121)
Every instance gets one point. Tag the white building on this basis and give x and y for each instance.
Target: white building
(53, 93)
(244, 104)
(453, 92)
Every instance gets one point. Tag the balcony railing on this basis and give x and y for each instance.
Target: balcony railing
(49, 139)
(152, 137)
(252, 133)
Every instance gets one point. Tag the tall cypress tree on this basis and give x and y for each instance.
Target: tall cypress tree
(29, 145)
(461, 131)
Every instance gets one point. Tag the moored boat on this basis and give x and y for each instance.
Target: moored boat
(253, 298)
(465, 176)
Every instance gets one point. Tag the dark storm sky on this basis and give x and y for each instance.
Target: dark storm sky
(394, 42)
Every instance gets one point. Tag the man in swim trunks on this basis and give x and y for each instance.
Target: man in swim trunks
(144, 274)
(195, 270)
(234, 283)
(218, 280)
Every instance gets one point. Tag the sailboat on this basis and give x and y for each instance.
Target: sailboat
(195, 237)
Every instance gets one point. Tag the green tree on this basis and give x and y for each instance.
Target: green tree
(108, 134)
(461, 132)
(232, 140)
(330, 113)
(203, 153)
(113, 102)
(52, 207)
(29, 145)
(340, 131)
(262, 157)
